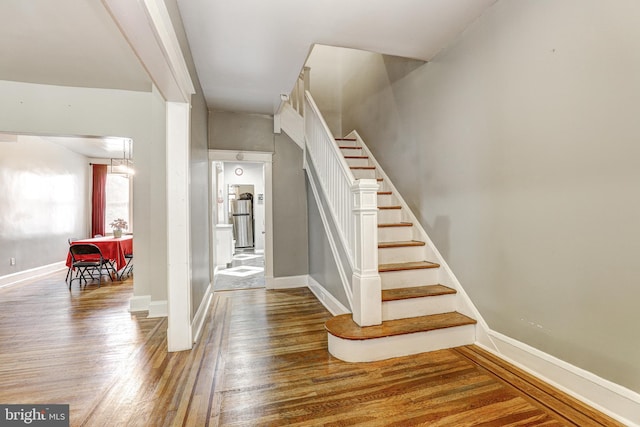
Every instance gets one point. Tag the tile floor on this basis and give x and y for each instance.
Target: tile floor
(246, 272)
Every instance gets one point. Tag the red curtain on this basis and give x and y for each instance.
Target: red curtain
(98, 199)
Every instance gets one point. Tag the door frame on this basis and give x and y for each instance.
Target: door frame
(266, 158)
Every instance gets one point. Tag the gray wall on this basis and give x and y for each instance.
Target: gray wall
(241, 131)
(254, 132)
(43, 202)
(289, 210)
(517, 147)
(199, 174)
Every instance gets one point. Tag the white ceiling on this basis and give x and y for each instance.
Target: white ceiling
(247, 52)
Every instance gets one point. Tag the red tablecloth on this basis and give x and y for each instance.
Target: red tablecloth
(112, 248)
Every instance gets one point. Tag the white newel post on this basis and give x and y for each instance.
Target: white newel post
(367, 288)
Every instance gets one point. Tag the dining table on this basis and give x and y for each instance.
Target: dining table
(112, 248)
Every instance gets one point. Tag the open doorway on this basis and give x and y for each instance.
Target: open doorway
(240, 225)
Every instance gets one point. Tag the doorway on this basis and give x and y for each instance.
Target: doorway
(241, 218)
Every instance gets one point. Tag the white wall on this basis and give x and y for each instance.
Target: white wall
(43, 202)
(325, 64)
(517, 148)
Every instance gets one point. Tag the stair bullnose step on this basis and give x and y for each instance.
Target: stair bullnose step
(402, 244)
(344, 327)
(402, 266)
(416, 292)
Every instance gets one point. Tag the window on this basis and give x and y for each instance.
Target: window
(118, 199)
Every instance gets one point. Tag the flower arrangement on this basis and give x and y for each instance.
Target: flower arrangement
(119, 224)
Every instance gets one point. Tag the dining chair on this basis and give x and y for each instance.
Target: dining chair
(128, 268)
(70, 269)
(88, 259)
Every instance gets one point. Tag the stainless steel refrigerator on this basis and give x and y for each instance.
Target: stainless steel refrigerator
(242, 219)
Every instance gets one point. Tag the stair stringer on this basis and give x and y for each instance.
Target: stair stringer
(338, 249)
(463, 303)
(291, 123)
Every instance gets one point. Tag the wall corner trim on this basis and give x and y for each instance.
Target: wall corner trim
(32, 273)
(334, 306)
(288, 282)
(158, 309)
(139, 303)
(198, 320)
(607, 397)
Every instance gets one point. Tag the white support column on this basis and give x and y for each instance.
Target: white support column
(179, 335)
(367, 287)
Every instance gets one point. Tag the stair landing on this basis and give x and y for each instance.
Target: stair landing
(400, 337)
(344, 327)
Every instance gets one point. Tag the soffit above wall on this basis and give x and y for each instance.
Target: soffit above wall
(249, 52)
(66, 43)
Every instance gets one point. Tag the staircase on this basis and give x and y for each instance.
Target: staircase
(419, 313)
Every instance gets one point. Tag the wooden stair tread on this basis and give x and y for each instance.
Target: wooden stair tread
(356, 157)
(363, 167)
(384, 193)
(400, 244)
(395, 224)
(379, 179)
(389, 207)
(416, 292)
(345, 139)
(344, 327)
(348, 147)
(401, 266)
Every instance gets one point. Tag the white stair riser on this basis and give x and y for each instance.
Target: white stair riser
(357, 162)
(387, 200)
(394, 234)
(386, 216)
(414, 307)
(350, 151)
(408, 278)
(402, 254)
(400, 345)
(364, 173)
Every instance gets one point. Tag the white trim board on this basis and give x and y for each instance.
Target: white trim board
(289, 282)
(198, 320)
(334, 306)
(139, 303)
(607, 397)
(32, 273)
(159, 309)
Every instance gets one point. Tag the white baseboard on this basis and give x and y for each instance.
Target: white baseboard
(139, 303)
(334, 306)
(158, 309)
(610, 398)
(287, 282)
(198, 320)
(20, 276)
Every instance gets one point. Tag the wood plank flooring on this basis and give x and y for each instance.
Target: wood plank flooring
(262, 360)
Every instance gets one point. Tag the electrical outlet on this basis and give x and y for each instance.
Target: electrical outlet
(12, 261)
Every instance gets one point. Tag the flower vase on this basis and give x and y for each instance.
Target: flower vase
(117, 233)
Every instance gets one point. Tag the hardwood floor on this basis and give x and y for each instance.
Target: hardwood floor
(262, 361)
